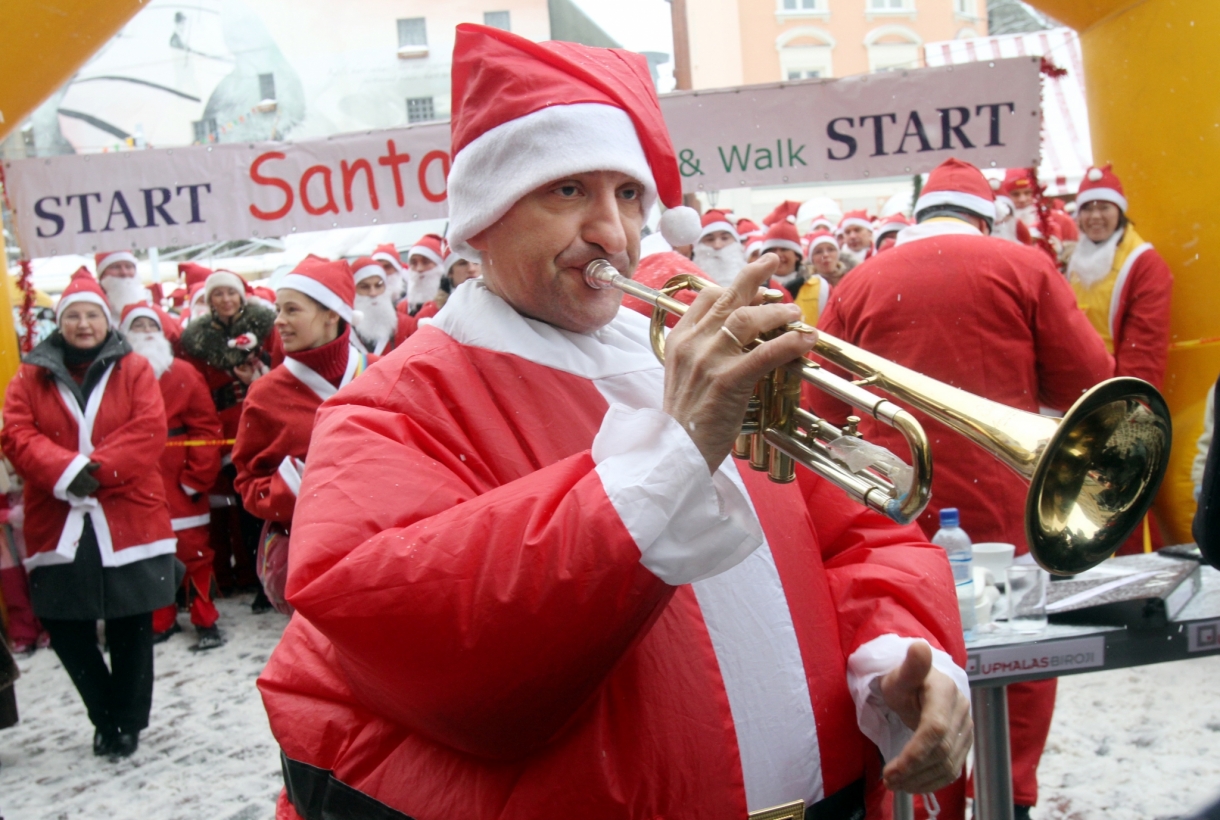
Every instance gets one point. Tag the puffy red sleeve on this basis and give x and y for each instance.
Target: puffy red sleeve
(266, 484)
(131, 450)
(1070, 356)
(885, 578)
(202, 464)
(406, 326)
(1141, 344)
(483, 617)
(36, 458)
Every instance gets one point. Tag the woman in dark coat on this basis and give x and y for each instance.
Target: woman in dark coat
(84, 426)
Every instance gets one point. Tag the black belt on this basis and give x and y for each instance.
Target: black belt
(845, 804)
(176, 431)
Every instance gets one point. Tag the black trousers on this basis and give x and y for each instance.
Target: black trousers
(119, 699)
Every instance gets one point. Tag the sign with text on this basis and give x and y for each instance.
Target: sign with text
(1049, 659)
(900, 122)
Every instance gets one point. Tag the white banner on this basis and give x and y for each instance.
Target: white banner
(900, 122)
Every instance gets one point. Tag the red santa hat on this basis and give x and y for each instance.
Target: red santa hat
(144, 310)
(859, 219)
(820, 238)
(822, 221)
(1101, 184)
(366, 267)
(193, 274)
(526, 113)
(105, 259)
(178, 297)
(83, 288)
(223, 279)
(331, 284)
(782, 235)
(746, 227)
(891, 224)
(387, 253)
(1017, 179)
(786, 211)
(714, 221)
(264, 293)
(429, 246)
(959, 184)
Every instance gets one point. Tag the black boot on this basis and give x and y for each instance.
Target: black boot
(162, 637)
(209, 638)
(260, 604)
(103, 741)
(124, 745)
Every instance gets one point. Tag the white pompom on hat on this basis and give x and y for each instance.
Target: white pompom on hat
(526, 113)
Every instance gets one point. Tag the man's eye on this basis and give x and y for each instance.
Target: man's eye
(630, 193)
(567, 190)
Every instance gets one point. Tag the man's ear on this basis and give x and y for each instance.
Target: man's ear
(478, 241)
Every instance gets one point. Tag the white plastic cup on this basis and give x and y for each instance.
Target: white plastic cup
(1026, 598)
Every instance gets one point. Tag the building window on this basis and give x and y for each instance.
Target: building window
(205, 130)
(266, 87)
(419, 109)
(964, 7)
(802, 5)
(497, 19)
(805, 53)
(412, 32)
(891, 6)
(893, 47)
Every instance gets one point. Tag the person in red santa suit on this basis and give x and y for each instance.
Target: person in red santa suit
(425, 269)
(719, 252)
(1125, 288)
(856, 232)
(808, 290)
(579, 606)
(187, 470)
(887, 231)
(116, 272)
(232, 345)
(386, 255)
(1018, 339)
(378, 327)
(84, 426)
(313, 316)
(1019, 187)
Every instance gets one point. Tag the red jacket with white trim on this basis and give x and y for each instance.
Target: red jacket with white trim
(1139, 324)
(124, 431)
(190, 416)
(518, 596)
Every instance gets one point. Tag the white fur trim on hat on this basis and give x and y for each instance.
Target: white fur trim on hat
(1103, 195)
(858, 222)
(83, 296)
(385, 257)
(504, 164)
(110, 258)
(139, 313)
(223, 279)
(770, 244)
(823, 240)
(319, 293)
(369, 271)
(720, 226)
(426, 253)
(974, 204)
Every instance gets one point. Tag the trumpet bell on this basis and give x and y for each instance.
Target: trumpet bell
(1097, 476)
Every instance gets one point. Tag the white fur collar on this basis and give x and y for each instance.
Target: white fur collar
(936, 227)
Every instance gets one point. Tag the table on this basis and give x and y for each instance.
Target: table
(994, 660)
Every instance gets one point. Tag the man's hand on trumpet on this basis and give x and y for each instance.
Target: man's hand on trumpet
(709, 376)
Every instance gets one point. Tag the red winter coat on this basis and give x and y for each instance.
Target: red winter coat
(499, 617)
(988, 316)
(189, 472)
(49, 439)
(1139, 317)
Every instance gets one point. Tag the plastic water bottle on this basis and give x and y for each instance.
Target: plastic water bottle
(954, 541)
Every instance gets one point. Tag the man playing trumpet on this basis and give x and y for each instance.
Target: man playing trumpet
(529, 580)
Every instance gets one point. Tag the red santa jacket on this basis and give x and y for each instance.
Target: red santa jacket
(993, 318)
(188, 472)
(519, 593)
(1139, 316)
(49, 439)
(273, 436)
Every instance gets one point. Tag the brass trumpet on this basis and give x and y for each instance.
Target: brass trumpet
(1093, 474)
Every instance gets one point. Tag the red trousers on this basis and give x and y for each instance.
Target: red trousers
(195, 551)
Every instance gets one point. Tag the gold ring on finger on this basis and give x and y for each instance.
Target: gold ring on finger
(725, 329)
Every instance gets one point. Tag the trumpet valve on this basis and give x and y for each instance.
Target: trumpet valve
(850, 429)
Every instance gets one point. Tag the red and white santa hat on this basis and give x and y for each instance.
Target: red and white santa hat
(891, 224)
(105, 259)
(193, 274)
(223, 279)
(331, 284)
(430, 247)
(139, 310)
(527, 113)
(366, 267)
(820, 238)
(1016, 179)
(1101, 184)
(387, 253)
(782, 234)
(822, 221)
(859, 219)
(959, 184)
(83, 288)
(715, 220)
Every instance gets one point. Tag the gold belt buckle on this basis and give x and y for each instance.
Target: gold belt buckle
(789, 811)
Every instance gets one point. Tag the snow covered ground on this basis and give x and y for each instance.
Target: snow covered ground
(1133, 744)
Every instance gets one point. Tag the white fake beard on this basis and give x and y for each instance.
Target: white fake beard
(154, 347)
(723, 265)
(1006, 229)
(851, 258)
(395, 286)
(1028, 215)
(378, 318)
(122, 291)
(422, 287)
(1092, 261)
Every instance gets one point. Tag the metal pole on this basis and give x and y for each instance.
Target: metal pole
(992, 754)
(904, 806)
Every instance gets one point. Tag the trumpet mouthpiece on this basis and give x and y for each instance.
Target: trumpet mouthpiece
(599, 274)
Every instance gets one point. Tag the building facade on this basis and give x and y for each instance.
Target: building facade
(738, 42)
